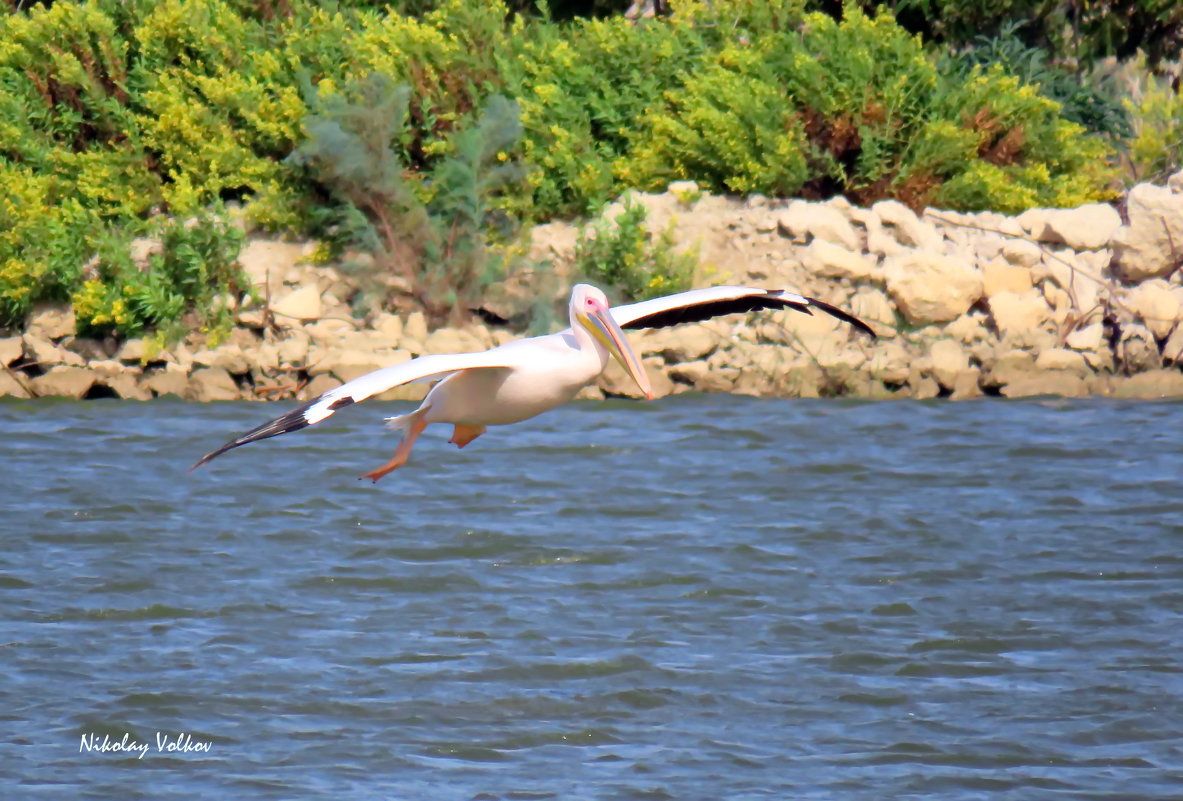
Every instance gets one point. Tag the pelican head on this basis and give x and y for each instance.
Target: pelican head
(590, 310)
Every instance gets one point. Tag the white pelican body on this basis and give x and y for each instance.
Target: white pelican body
(522, 379)
(549, 371)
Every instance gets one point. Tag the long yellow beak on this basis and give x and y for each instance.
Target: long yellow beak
(605, 329)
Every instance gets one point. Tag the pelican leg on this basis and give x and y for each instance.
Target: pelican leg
(462, 435)
(402, 452)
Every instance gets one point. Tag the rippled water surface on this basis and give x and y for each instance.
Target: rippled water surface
(698, 598)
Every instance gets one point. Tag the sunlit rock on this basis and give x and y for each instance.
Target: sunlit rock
(69, 382)
(1087, 227)
(51, 321)
(300, 304)
(212, 384)
(1151, 245)
(932, 287)
(1156, 304)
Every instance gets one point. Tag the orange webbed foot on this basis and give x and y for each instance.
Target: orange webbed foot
(462, 434)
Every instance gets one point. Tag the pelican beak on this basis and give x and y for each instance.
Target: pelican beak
(605, 329)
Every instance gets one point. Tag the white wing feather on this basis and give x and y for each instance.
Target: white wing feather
(697, 297)
(424, 368)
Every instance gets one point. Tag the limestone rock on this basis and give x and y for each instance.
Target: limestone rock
(167, 382)
(70, 382)
(1151, 246)
(1087, 227)
(967, 385)
(692, 373)
(999, 275)
(181, 354)
(212, 384)
(923, 387)
(1151, 384)
(1021, 252)
(324, 382)
(230, 358)
(346, 365)
(328, 333)
(11, 349)
(1156, 304)
(12, 386)
(133, 350)
(1172, 351)
(415, 327)
(803, 221)
(1077, 276)
(263, 357)
(873, 306)
(949, 360)
(879, 240)
(1061, 359)
(1138, 350)
(930, 287)
(1088, 337)
(51, 321)
(126, 386)
(909, 229)
(451, 340)
(267, 261)
(293, 349)
(300, 304)
(104, 368)
(684, 343)
(829, 260)
(1062, 383)
(890, 362)
(969, 328)
(1017, 316)
(1033, 221)
(615, 381)
(389, 325)
(42, 351)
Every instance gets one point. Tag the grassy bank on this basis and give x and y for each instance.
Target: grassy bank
(428, 140)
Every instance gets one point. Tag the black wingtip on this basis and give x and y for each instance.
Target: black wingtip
(292, 421)
(843, 315)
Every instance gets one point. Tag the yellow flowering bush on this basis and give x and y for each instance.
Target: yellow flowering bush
(859, 108)
(1157, 148)
(113, 112)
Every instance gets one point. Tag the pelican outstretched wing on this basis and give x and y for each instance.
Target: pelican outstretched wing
(703, 304)
(424, 368)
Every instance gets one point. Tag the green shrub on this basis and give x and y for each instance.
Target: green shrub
(728, 127)
(621, 252)
(45, 236)
(860, 108)
(195, 275)
(1091, 103)
(433, 230)
(1024, 153)
(582, 89)
(1156, 149)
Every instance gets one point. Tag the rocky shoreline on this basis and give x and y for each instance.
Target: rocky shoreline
(1067, 302)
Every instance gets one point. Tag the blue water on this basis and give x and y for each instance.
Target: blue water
(697, 598)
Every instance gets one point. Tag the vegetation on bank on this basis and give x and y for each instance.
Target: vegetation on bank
(425, 137)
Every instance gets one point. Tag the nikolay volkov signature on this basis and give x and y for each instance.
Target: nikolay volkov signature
(165, 744)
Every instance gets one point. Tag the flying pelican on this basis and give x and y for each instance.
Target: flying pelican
(524, 378)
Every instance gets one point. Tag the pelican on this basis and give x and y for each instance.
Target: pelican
(524, 378)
